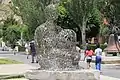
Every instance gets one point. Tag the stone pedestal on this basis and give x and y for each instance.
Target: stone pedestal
(63, 75)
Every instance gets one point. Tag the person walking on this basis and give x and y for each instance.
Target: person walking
(88, 56)
(98, 53)
(33, 51)
(13, 47)
(27, 49)
(78, 51)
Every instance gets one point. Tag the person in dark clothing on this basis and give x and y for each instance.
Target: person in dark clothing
(13, 46)
(33, 51)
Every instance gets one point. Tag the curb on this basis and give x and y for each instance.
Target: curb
(2, 77)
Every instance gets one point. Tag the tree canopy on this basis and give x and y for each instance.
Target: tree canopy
(80, 15)
(32, 12)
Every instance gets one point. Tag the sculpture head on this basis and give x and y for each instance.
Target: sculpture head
(51, 12)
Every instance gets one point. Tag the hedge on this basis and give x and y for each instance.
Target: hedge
(21, 48)
(93, 46)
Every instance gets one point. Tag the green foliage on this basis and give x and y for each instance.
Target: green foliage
(112, 12)
(13, 34)
(14, 77)
(104, 30)
(96, 16)
(73, 14)
(24, 30)
(32, 13)
(80, 10)
(10, 30)
(8, 61)
(1, 31)
(21, 48)
(61, 10)
(95, 20)
(93, 46)
(64, 20)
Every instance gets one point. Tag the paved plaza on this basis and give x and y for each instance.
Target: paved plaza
(108, 70)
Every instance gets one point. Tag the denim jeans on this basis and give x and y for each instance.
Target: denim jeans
(98, 62)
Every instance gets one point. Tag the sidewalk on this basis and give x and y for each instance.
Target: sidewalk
(19, 69)
(104, 66)
(107, 78)
(15, 69)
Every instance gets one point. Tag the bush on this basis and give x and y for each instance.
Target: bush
(21, 48)
(103, 46)
(93, 46)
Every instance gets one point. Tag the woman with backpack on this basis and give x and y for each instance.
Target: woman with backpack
(88, 56)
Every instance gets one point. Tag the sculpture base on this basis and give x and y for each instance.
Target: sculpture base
(63, 75)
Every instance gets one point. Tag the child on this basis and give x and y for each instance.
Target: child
(88, 56)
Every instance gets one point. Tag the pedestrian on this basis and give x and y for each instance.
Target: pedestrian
(33, 51)
(88, 56)
(98, 53)
(14, 45)
(27, 49)
(78, 51)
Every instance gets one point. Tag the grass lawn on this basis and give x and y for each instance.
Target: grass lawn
(18, 79)
(9, 61)
(12, 77)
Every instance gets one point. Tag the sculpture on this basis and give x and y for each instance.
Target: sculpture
(55, 46)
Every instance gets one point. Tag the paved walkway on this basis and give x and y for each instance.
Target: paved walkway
(13, 69)
(107, 78)
(18, 69)
(19, 57)
(108, 70)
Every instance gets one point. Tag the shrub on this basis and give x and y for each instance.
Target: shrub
(93, 46)
(21, 48)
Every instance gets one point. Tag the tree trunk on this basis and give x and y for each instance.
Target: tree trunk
(83, 34)
(21, 36)
(101, 39)
(83, 37)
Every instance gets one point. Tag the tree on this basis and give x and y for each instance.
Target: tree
(24, 32)
(32, 13)
(13, 34)
(80, 11)
(92, 25)
(112, 13)
(7, 23)
(11, 31)
(65, 21)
